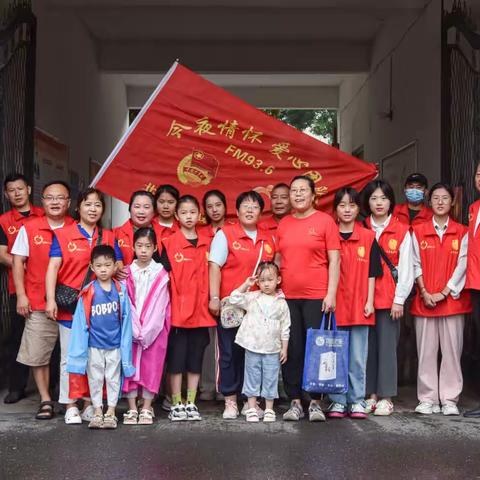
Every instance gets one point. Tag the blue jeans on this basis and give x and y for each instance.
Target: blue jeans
(261, 375)
(357, 366)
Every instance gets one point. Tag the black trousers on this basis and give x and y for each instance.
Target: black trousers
(17, 372)
(304, 314)
(231, 362)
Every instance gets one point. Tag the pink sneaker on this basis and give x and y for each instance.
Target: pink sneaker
(231, 410)
(357, 410)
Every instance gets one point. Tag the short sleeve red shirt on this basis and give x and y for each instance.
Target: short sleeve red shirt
(303, 244)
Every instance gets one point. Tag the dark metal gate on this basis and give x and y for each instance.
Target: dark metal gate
(461, 134)
(17, 102)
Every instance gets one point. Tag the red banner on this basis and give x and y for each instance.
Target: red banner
(196, 136)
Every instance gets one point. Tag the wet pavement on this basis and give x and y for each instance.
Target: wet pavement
(403, 446)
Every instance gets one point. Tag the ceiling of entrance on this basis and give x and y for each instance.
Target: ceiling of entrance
(314, 41)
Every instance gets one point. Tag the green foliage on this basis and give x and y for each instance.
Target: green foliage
(320, 123)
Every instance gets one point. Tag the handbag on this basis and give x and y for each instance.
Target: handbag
(393, 269)
(326, 359)
(66, 297)
(231, 316)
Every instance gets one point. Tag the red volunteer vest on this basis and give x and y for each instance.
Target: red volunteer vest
(207, 229)
(163, 232)
(269, 223)
(439, 260)
(352, 292)
(40, 236)
(390, 240)
(76, 252)
(11, 222)
(243, 256)
(473, 256)
(189, 281)
(402, 214)
(124, 237)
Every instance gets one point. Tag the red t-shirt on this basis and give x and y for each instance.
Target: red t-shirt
(303, 244)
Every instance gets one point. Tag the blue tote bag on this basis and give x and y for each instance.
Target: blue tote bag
(326, 359)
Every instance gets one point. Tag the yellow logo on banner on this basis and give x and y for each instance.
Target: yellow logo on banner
(455, 244)
(392, 244)
(361, 251)
(197, 169)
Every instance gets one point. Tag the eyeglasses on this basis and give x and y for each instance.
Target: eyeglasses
(57, 198)
(444, 199)
(249, 206)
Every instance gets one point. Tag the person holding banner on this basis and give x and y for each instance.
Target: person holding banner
(68, 270)
(309, 257)
(360, 265)
(391, 291)
(142, 211)
(440, 263)
(166, 199)
(235, 252)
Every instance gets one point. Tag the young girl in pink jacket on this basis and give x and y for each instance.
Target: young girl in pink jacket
(147, 287)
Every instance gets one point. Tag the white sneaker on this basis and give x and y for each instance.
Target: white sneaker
(436, 408)
(251, 415)
(450, 409)
(231, 410)
(294, 413)
(72, 416)
(269, 416)
(315, 413)
(370, 405)
(192, 412)
(384, 408)
(260, 412)
(425, 408)
(87, 414)
(177, 413)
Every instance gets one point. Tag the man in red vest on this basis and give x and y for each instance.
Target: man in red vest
(17, 191)
(414, 211)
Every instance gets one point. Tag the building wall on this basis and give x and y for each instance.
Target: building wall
(416, 94)
(76, 103)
